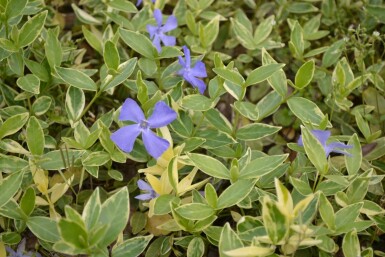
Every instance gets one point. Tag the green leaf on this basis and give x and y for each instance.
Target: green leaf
(247, 110)
(111, 55)
(209, 32)
(197, 103)
(76, 78)
(115, 213)
(210, 166)
(326, 211)
(8, 45)
(124, 71)
(307, 111)
(14, 8)
(75, 102)
(27, 202)
(347, 215)
(44, 228)
(304, 75)
(261, 166)
(139, 43)
(231, 75)
(211, 195)
(377, 11)
(195, 211)
(96, 159)
(9, 186)
(235, 193)
(196, 247)
(228, 240)
(92, 209)
(332, 55)
(162, 204)
(92, 40)
(219, 121)
(123, 5)
(351, 244)
(353, 163)
(296, 40)
(243, 35)
(41, 105)
(263, 30)
(29, 83)
(73, 234)
(278, 79)
(315, 151)
(256, 131)
(262, 73)
(31, 29)
(274, 220)
(301, 8)
(132, 247)
(84, 16)
(13, 124)
(53, 50)
(35, 136)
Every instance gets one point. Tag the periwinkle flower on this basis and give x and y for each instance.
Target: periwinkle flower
(323, 136)
(192, 74)
(20, 252)
(140, 1)
(151, 194)
(157, 33)
(125, 137)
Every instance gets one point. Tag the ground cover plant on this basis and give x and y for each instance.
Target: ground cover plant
(192, 128)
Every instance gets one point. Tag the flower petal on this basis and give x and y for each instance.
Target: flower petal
(195, 82)
(138, 2)
(151, 30)
(199, 70)
(332, 147)
(156, 42)
(321, 135)
(131, 111)
(181, 62)
(170, 24)
(161, 116)
(187, 57)
(168, 40)
(125, 137)
(158, 17)
(154, 145)
(143, 185)
(144, 197)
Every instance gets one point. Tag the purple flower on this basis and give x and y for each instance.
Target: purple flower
(323, 136)
(157, 32)
(190, 74)
(140, 1)
(20, 252)
(125, 137)
(146, 187)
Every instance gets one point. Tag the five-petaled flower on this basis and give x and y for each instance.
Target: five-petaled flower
(140, 1)
(323, 136)
(157, 32)
(151, 194)
(193, 74)
(125, 137)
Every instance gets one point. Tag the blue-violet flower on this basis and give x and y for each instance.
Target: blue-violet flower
(146, 187)
(157, 32)
(323, 136)
(20, 252)
(190, 74)
(125, 137)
